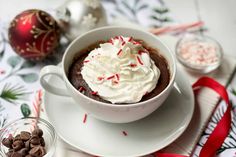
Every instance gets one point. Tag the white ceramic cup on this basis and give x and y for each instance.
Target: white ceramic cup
(107, 111)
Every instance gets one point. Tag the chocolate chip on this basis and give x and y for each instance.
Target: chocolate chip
(37, 151)
(24, 135)
(42, 142)
(16, 154)
(43, 150)
(27, 144)
(9, 153)
(17, 145)
(34, 145)
(23, 151)
(7, 142)
(35, 140)
(38, 132)
(10, 150)
(17, 137)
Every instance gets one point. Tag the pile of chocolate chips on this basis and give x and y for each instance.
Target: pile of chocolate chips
(26, 144)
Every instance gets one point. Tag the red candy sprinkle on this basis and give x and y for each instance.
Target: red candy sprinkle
(115, 82)
(121, 38)
(124, 133)
(130, 39)
(140, 52)
(110, 41)
(85, 118)
(86, 61)
(118, 77)
(119, 52)
(145, 94)
(2, 72)
(81, 89)
(136, 43)
(110, 77)
(133, 65)
(94, 93)
(123, 43)
(139, 60)
(100, 78)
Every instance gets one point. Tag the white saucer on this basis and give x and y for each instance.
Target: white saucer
(106, 139)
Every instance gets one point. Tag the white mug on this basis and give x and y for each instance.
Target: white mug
(107, 111)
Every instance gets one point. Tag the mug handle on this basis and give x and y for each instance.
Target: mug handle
(52, 70)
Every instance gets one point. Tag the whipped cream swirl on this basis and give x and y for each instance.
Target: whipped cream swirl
(120, 71)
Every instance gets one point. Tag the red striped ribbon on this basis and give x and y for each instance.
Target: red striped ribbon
(221, 131)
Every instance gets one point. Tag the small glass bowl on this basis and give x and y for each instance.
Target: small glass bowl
(196, 67)
(28, 124)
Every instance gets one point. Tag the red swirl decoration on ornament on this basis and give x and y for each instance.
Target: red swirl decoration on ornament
(34, 34)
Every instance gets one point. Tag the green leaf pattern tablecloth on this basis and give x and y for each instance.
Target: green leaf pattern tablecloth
(19, 84)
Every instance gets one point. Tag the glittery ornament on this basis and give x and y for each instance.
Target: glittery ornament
(79, 16)
(34, 34)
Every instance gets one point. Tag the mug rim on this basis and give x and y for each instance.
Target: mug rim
(173, 74)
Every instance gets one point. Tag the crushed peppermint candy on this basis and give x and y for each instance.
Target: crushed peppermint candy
(115, 82)
(81, 89)
(117, 77)
(119, 52)
(140, 52)
(100, 78)
(111, 41)
(85, 118)
(139, 60)
(124, 133)
(133, 65)
(121, 38)
(136, 43)
(130, 39)
(110, 77)
(146, 93)
(86, 61)
(111, 73)
(123, 43)
(94, 93)
(198, 52)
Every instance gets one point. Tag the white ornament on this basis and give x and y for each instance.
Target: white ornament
(89, 21)
(75, 17)
(92, 3)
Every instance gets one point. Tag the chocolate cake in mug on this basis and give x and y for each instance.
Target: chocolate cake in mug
(119, 71)
(116, 74)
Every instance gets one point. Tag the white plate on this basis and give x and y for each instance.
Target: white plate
(106, 139)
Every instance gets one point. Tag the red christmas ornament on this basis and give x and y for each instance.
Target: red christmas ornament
(34, 34)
